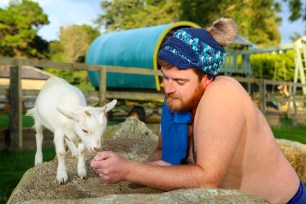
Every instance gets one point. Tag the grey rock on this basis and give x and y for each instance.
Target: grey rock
(197, 195)
(133, 140)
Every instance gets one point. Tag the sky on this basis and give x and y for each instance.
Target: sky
(78, 12)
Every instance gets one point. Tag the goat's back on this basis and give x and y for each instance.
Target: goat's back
(56, 93)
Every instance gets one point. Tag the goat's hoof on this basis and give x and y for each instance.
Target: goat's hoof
(62, 178)
(36, 164)
(38, 159)
(82, 172)
(83, 177)
(61, 182)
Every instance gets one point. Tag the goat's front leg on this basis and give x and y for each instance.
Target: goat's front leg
(61, 175)
(74, 150)
(81, 162)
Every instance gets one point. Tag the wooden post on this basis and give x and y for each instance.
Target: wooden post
(262, 96)
(102, 90)
(15, 98)
(291, 99)
(293, 96)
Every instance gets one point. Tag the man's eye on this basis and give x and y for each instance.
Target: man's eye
(179, 82)
(85, 131)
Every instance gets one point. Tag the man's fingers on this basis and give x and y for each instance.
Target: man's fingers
(103, 156)
(98, 161)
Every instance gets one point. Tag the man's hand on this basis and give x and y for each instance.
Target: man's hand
(111, 167)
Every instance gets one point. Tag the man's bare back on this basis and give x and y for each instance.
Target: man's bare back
(255, 158)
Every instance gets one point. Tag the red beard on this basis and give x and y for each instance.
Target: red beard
(187, 105)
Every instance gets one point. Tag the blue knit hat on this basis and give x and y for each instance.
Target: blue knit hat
(193, 48)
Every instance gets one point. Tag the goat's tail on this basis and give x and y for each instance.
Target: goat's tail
(30, 112)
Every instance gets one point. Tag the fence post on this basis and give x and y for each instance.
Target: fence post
(262, 96)
(15, 98)
(102, 90)
(290, 99)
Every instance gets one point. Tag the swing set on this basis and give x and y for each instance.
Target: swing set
(280, 94)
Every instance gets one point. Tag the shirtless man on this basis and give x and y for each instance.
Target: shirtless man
(212, 135)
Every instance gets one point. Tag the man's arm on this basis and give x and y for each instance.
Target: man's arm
(218, 127)
(113, 168)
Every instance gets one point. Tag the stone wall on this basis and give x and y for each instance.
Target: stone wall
(133, 140)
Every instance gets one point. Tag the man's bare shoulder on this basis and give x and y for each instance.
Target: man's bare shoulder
(224, 87)
(225, 81)
(223, 96)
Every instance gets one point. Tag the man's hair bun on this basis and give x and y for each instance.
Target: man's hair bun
(224, 31)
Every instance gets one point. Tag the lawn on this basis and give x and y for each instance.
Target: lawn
(288, 131)
(13, 164)
(27, 121)
(291, 133)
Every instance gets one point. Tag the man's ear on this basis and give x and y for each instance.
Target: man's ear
(205, 80)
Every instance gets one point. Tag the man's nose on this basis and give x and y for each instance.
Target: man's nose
(169, 88)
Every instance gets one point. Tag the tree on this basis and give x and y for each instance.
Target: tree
(72, 46)
(202, 12)
(274, 66)
(297, 11)
(75, 40)
(19, 24)
(295, 36)
(256, 19)
(127, 14)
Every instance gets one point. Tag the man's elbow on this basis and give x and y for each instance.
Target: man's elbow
(210, 180)
(210, 184)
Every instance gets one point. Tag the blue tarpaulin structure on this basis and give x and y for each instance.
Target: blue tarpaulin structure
(131, 48)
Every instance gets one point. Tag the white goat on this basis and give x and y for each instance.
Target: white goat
(61, 108)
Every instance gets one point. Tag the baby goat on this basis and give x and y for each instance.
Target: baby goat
(61, 108)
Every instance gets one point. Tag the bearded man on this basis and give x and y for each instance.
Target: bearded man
(212, 134)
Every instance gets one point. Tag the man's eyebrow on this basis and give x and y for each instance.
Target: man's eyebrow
(175, 79)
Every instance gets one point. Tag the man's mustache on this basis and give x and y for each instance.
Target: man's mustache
(172, 96)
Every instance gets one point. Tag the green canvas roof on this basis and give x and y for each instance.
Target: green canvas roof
(131, 48)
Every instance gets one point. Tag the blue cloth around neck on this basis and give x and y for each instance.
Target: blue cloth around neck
(174, 131)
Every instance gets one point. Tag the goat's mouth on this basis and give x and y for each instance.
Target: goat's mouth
(94, 150)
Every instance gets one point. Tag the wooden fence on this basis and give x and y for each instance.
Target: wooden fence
(262, 96)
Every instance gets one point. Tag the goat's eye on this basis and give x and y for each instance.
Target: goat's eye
(85, 131)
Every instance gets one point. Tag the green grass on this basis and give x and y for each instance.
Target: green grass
(27, 121)
(288, 131)
(13, 164)
(291, 133)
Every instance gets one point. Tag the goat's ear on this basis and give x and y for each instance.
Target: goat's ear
(109, 106)
(68, 114)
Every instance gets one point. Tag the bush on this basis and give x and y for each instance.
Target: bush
(274, 66)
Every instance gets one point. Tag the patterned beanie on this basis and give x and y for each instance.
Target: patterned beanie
(193, 48)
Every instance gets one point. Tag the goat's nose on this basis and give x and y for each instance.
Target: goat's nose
(97, 149)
